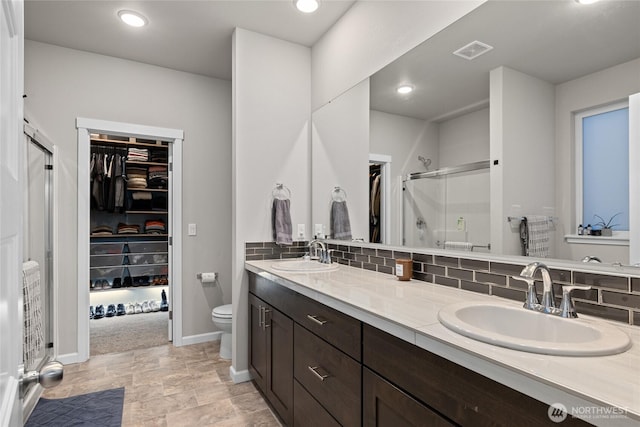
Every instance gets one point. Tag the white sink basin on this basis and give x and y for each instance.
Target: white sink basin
(303, 266)
(525, 330)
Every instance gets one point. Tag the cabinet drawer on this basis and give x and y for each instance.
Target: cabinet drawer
(329, 375)
(307, 412)
(386, 405)
(337, 328)
(464, 396)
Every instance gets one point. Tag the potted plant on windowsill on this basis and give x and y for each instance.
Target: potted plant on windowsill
(606, 226)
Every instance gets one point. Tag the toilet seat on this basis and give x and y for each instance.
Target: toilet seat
(222, 312)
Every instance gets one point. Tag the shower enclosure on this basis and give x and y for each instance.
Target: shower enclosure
(38, 258)
(448, 208)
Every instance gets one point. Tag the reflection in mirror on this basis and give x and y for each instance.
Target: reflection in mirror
(514, 104)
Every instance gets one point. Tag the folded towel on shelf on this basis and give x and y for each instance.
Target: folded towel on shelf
(138, 154)
(128, 228)
(534, 235)
(154, 226)
(340, 225)
(458, 246)
(102, 230)
(281, 221)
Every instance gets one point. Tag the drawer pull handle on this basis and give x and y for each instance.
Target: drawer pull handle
(315, 319)
(264, 322)
(315, 372)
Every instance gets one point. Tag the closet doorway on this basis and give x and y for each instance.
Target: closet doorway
(129, 218)
(379, 198)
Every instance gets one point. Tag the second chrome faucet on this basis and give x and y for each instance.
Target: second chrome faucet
(548, 304)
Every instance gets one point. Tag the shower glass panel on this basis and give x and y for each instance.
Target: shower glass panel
(447, 206)
(38, 248)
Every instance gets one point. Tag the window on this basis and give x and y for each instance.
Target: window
(602, 166)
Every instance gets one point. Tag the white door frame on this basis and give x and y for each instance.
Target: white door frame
(86, 126)
(11, 210)
(385, 194)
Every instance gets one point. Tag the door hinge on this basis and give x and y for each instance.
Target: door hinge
(171, 315)
(48, 167)
(171, 167)
(170, 241)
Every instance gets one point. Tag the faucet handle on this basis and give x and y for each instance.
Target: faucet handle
(566, 306)
(531, 303)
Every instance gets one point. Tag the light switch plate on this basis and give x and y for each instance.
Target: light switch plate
(192, 231)
(301, 231)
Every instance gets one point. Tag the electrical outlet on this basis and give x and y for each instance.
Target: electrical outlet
(319, 231)
(301, 231)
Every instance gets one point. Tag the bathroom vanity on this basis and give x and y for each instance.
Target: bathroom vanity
(354, 347)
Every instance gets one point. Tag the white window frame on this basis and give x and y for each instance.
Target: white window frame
(619, 237)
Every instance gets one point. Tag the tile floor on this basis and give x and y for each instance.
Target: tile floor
(170, 386)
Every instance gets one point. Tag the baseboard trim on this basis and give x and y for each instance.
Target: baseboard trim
(69, 358)
(239, 376)
(197, 339)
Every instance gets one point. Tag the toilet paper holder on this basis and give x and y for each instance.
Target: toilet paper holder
(207, 277)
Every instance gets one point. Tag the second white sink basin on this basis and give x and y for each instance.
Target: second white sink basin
(526, 330)
(303, 266)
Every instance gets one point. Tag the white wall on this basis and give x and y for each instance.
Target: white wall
(62, 84)
(522, 140)
(404, 139)
(464, 139)
(601, 88)
(271, 137)
(370, 35)
(340, 153)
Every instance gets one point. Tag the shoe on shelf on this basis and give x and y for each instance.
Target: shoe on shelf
(154, 305)
(164, 305)
(146, 308)
(92, 313)
(120, 310)
(131, 309)
(117, 282)
(138, 308)
(111, 310)
(126, 283)
(99, 314)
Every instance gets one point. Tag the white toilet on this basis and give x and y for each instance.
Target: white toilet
(221, 317)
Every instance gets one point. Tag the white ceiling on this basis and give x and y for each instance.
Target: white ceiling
(191, 36)
(556, 41)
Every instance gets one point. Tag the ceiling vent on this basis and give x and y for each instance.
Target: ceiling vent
(473, 50)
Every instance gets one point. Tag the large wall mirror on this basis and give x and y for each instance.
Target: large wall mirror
(487, 135)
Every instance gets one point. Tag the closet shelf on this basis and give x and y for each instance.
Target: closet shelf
(103, 267)
(154, 190)
(135, 162)
(110, 236)
(148, 212)
(131, 141)
(130, 288)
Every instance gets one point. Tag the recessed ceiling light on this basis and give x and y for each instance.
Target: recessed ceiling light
(306, 6)
(132, 18)
(404, 89)
(586, 1)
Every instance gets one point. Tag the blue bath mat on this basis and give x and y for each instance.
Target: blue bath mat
(102, 408)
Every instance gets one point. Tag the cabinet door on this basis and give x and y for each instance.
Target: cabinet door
(385, 405)
(279, 391)
(257, 342)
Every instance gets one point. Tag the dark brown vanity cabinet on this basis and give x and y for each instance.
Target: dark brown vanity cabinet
(271, 355)
(320, 367)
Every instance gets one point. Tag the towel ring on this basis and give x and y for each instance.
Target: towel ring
(338, 195)
(281, 192)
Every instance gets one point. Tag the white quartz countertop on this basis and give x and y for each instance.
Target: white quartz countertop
(603, 390)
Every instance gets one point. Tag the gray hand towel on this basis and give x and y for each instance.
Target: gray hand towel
(340, 225)
(281, 222)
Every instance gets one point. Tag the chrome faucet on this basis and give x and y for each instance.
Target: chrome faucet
(548, 298)
(323, 255)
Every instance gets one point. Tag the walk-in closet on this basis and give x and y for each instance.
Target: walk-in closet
(129, 249)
